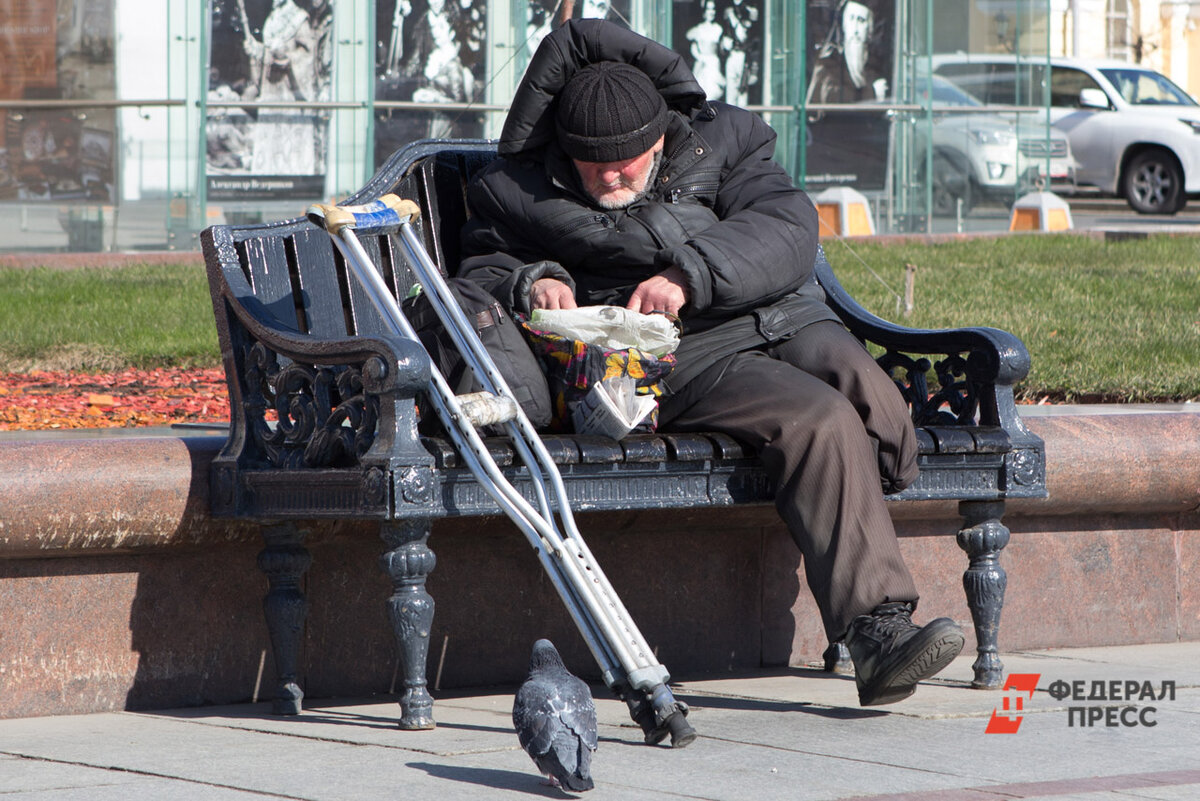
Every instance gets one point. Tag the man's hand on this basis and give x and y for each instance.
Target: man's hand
(665, 292)
(550, 293)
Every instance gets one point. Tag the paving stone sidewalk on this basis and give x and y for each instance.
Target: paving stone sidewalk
(786, 734)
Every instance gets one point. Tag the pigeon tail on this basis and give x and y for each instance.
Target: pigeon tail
(578, 783)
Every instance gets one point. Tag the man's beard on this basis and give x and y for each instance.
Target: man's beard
(630, 195)
(856, 59)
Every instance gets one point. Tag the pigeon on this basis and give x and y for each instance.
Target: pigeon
(555, 719)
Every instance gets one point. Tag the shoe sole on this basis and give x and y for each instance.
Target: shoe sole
(944, 644)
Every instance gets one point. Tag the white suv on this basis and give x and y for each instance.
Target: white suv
(976, 155)
(1133, 133)
(983, 155)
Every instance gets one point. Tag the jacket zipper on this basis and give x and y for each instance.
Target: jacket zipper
(602, 219)
(678, 191)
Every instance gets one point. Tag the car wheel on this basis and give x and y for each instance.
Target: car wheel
(950, 184)
(1153, 183)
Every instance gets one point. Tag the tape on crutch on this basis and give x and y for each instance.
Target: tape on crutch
(389, 211)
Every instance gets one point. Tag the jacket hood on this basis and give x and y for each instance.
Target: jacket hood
(530, 122)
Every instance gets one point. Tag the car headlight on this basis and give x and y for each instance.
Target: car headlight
(986, 137)
(1193, 124)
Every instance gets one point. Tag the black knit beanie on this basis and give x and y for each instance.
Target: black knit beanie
(609, 111)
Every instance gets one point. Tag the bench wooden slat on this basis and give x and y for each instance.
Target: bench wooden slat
(424, 183)
(443, 453)
(925, 441)
(320, 289)
(501, 450)
(952, 440)
(689, 447)
(726, 447)
(991, 440)
(366, 319)
(563, 450)
(644, 448)
(266, 262)
(599, 450)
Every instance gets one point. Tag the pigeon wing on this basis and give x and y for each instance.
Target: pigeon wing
(578, 710)
(535, 716)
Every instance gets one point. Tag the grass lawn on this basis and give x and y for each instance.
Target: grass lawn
(1102, 320)
(96, 319)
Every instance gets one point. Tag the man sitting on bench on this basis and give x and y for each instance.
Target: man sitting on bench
(619, 184)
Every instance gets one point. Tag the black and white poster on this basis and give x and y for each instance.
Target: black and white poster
(850, 60)
(428, 51)
(268, 51)
(543, 16)
(722, 41)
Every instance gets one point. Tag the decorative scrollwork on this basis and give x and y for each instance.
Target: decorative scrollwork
(1026, 468)
(323, 418)
(954, 402)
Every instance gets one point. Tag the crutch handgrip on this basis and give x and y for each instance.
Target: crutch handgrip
(486, 409)
(385, 213)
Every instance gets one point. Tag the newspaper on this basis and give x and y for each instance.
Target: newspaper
(612, 408)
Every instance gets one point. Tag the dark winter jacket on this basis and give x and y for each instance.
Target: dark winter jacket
(720, 209)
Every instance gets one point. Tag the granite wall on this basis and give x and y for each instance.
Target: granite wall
(117, 591)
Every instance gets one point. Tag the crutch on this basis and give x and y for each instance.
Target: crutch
(627, 663)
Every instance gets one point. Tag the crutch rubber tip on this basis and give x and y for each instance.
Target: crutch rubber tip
(676, 727)
(656, 736)
(681, 731)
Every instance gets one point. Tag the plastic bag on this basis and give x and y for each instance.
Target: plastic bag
(573, 366)
(611, 327)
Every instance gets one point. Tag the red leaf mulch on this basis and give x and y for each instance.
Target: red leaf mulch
(57, 400)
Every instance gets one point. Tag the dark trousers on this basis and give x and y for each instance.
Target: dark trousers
(828, 423)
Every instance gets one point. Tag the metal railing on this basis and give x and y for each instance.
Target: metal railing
(35, 105)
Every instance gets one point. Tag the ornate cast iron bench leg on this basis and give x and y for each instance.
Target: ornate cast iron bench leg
(983, 536)
(408, 562)
(284, 560)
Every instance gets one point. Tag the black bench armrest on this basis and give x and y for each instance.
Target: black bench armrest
(975, 377)
(300, 400)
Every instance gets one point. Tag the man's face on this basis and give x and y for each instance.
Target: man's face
(616, 184)
(856, 22)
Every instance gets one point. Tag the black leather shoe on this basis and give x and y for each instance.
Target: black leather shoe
(891, 653)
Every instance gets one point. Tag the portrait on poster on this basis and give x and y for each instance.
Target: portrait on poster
(44, 159)
(268, 51)
(850, 61)
(543, 16)
(722, 42)
(850, 51)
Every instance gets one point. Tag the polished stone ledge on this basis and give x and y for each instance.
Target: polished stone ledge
(63, 497)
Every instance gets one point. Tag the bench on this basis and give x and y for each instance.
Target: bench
(324, 424)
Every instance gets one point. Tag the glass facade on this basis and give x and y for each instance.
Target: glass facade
(131, 125)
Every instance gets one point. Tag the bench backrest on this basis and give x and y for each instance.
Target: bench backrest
(292, 270)
(281, 291)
